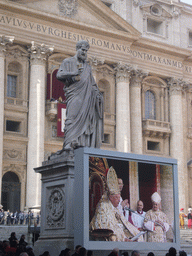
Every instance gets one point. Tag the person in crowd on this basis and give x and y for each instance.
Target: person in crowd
(2, 215)
(90, 253)
(82, 251)
(46, 253)
(138, 216)
(37, 218)
(107, 215)
(172, 251)
(150, 254)
(156, 221)
(12, 218)
(29, 250)
(77, 247)
(66, 252)
(189, 217)
(8, 218)
(16, 218)
(182, 253)
(23, 254)
(135, 253)
(13, 240)
(22, 242)
(182, 217)
(27, 218)
(21, 217)
(125, 254)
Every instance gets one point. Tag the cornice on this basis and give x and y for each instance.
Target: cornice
(123, 29)
(163, 48)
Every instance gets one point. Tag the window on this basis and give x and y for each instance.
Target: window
(151, 145)
(12, 126)
(190, 38)
(54, 87)
(154, 26)
(150, 105)
(11, 86)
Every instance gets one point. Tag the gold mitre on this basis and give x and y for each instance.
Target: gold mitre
(112, 182)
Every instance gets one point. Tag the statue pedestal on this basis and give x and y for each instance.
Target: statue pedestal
(57, 231)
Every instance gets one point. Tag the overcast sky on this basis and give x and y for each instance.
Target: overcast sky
(187, 1)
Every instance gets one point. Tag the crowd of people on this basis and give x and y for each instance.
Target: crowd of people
(185, 219)
(19, 218)
(15, 247)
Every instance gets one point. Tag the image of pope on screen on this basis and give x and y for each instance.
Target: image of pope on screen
(114, 220)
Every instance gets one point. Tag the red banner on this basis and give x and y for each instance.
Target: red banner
(61, 116)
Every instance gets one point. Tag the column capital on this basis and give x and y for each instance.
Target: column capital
(95, 62)
(137, 76)
(39, 53)
(176, 85)
(4, 41)
(123, 72)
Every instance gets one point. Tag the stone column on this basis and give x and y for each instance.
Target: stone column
(177, 138)
(133, 184)
(36, 120)
(4, 41)
(123, 140)
(136, 115)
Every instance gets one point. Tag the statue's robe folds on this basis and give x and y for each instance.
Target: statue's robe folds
(156, 233)
(105, 218)
(84, 114)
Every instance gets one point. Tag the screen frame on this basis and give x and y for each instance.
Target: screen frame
(81, 200)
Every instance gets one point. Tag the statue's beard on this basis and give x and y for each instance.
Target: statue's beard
(82, 57)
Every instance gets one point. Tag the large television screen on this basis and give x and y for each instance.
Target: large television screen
(138, 212)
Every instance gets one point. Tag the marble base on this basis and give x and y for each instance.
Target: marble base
(57, 231)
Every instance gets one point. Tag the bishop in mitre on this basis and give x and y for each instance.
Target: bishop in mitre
(107, 215)
(156, 221)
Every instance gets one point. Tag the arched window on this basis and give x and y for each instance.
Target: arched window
(150, 105)
(14, 80)
(11, 190)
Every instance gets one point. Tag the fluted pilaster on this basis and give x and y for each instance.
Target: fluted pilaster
(176, 87)
(136, 114)
(36, 126)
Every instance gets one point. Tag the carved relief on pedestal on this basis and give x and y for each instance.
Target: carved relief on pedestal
(55, 208)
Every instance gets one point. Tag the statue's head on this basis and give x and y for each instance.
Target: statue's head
(82, 43)
(82, 47)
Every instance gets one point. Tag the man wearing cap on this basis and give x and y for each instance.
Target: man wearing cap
(156, 221)
(107, 215)
(84, 115)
